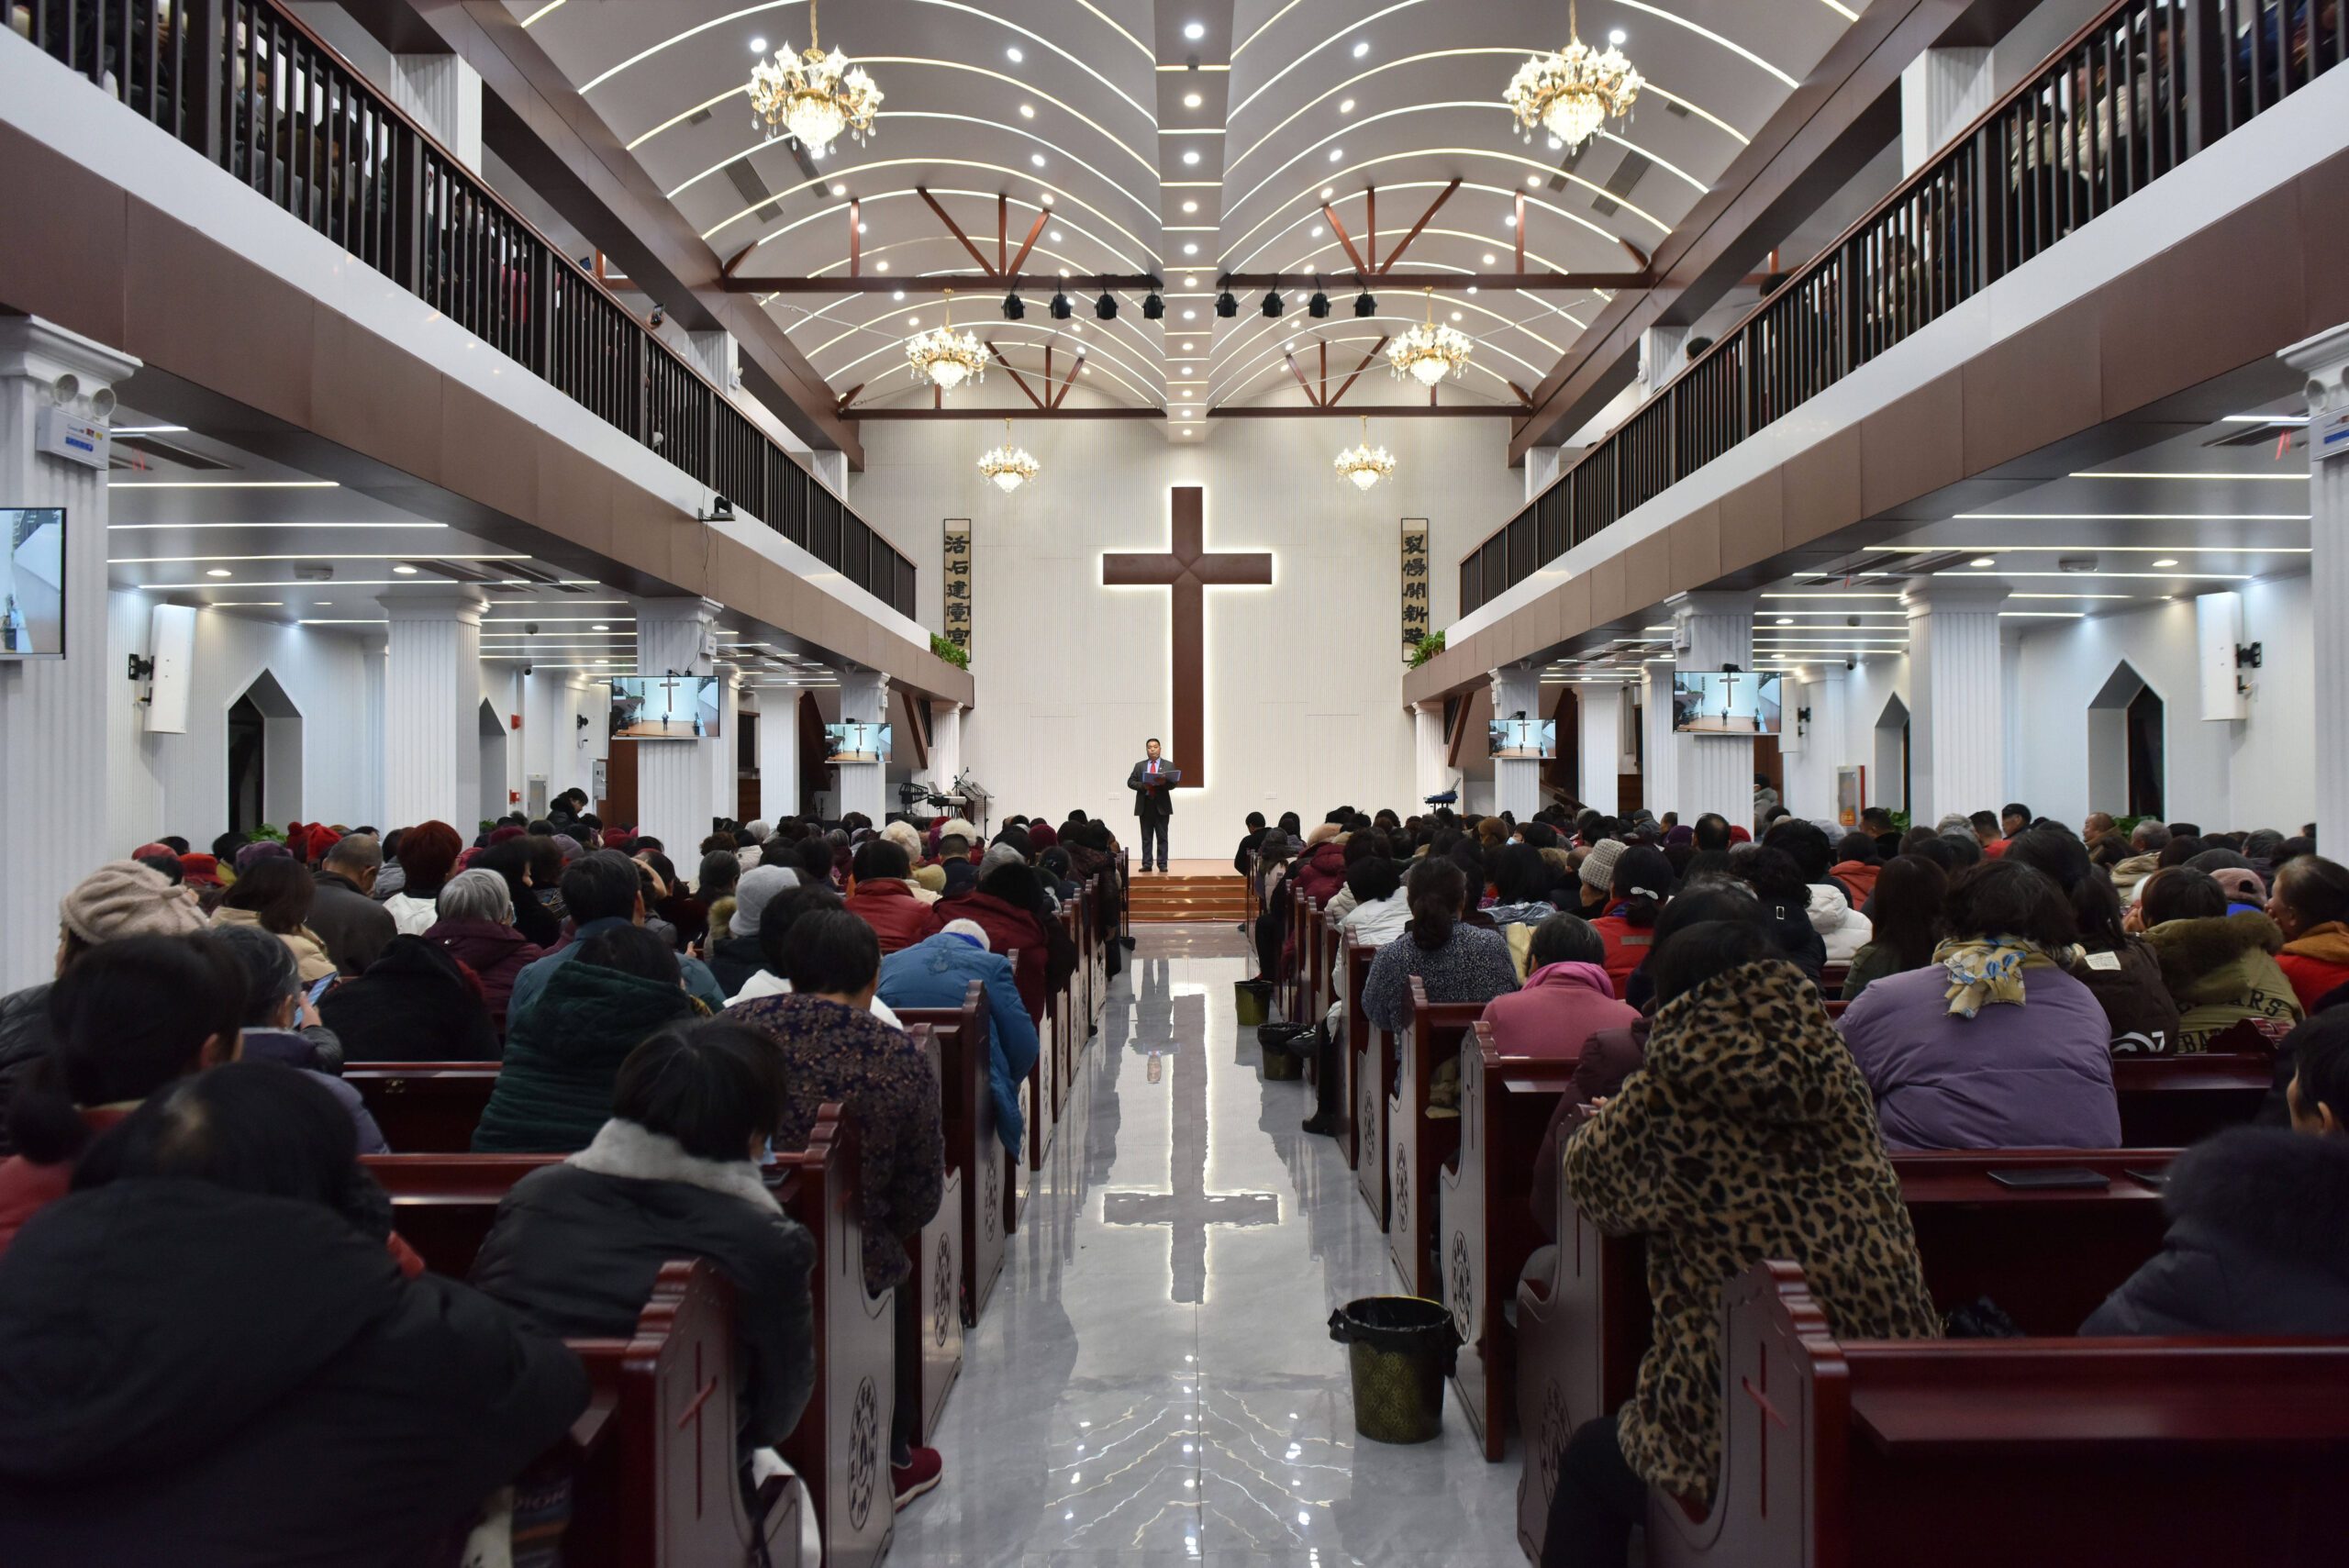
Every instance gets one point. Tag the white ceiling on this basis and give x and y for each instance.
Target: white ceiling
(1083, 106)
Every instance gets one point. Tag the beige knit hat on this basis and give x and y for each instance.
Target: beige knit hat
(123, 898)
(1598, 866)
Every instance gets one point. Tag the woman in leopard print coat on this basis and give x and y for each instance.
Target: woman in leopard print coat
(1748, 1134)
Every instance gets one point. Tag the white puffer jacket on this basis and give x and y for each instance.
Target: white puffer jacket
(1844, 928)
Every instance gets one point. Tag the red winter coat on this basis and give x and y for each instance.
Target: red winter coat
(1321, 871)
(888, 906)
(1007, 927)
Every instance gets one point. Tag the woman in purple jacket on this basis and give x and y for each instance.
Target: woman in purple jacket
(1994, 1045)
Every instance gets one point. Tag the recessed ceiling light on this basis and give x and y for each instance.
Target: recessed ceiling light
(1455, 316)
(1362, 48)
(2165, 560)
(1532, 181)
(398, 571)
(898, 295)
(599, 626)
(1345, 106)
(1037, 159)
(758, 45)
(1027, 111)
(1190, 315)
(1317, 231)
(840, 190)
(1472, 288)
(1190, 206)
(1190, 158)
(1056, 236)
(1488, 259)
(1192, 100)
(1014, 55)
(1785, 620)
(880, 266)
(223, 571)
(913, 320)
(1983, 560)
(1618, 36)
(1048, 198)
(1509, 222)
(1327, 192)
(860, 229)
(1190, 249)
(1194, 30)
(1336, 153)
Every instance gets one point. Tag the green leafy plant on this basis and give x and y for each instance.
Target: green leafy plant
(267, 833)
(1901, 820)
(1426, 648)
(958, 657)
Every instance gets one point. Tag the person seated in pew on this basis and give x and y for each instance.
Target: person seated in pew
(279, 1025)
(1567, 995)
(1522, 884)
(127, 1019)
(2220, 967)
(774, 930)
(477, 929)
(416, 1003)
(1640, 882)
(1454, 961)
(833, 1051)
(937, 972)
(603, 891)
(884, 900)
(1748, 1134)
(1380, 910)
(737, 958)
(1785, 897)
(276, 896)
(2311, 906)
(1996, 1045)
(2115, 963)
(1362, 843)
(1834, 909)
(2258, 1240)
(1007, 905)
(554, 1089)
(215, 1359)
(673, 1174)
(1905, 918)
(1857, 864)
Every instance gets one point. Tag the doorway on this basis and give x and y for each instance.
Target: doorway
(2145, 754)
(248, 764)
(264, 753)
(494, 792)
(1891, 762)
(2127, 746)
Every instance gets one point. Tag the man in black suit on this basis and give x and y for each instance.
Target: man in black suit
(1152, 782)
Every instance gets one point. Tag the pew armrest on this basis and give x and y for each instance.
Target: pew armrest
(595, 1423)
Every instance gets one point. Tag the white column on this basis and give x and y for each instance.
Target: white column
(1942, 92)
(1660, 785)
(1517, 780)
(1541, 469)
(443, 93)
(865, 786)
(1715, 773)
(725, 782)
(1957, 728)
(1601, 747)
(1663, 353)
(433, 708)
(832, 467)
(675, 778)
(53, 711)
(717, 356)
(1811, 772)
(945, 742)
(778, 753)
(1431, 775)
(2324, 360)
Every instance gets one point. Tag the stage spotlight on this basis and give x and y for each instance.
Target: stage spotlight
(1062, 308)
(1105, 308)
(1227, 305)
(1365, 304)
(1014, 307)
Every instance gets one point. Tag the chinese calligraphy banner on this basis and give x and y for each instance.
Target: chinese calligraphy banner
(1415, 579)
(958, 583)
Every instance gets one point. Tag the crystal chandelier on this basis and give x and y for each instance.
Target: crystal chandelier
(1573, 92)
(814, 96)
(1427, 353)
(943, 359)
(1010, 467)
(1364, 464)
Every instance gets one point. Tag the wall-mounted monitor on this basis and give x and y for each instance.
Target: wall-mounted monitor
(666, 708)
(1535, 738)
(857, 742)
(1713, 703)
(32, 582)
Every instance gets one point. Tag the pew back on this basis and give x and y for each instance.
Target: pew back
(1419, 1145)
(965, 1037)
(1372, 1053)
(2168, 1102)
(933, 1359)
(425, 1107)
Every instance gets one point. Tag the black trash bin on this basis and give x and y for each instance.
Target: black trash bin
(1281, 1048)
(1400, 1349)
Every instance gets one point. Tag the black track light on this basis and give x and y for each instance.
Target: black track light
(1273, 304)
(1365, 304)
(1105, 308)
(1062, 308)
(1152, 308)
(1227, 305)
(1014, 307)
(1318, 306)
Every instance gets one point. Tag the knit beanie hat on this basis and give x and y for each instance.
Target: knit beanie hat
(1598, 866)
(929, 879)
(205, 869)
(123, 898)
(260, 848)
(997, 857)
(757, 889)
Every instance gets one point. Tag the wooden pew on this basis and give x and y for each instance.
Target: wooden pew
(1371, 1051)
(967, 1112)
(1040, 1104)
(425, 1107)
(444, 1203)
(1330, 935)
(654, 1473)
(1485, 1222)
(1417, 1145)
(2144, 1452)
(2047, 1256)
(935, 1286)
(2168, 1102)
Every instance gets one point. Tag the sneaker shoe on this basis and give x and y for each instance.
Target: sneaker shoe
(919, 1474)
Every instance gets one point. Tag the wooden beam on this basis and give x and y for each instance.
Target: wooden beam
(1331, 402)
(913, 727)
(740, 257)
(1012, 271)
(1637, 254)
(1070, 379)
(1002, 232)
(1290, 360)
(1339, 228)
(849, 396)
(1122, 282)
(1370, 227)
(1016, 380)
(1522, 396)
(1458, 282)
(1025, 415)
(1392, 256)
(1375, 411)
(956, 230)
(856, 240)
(1517, 227)
(1324, 398)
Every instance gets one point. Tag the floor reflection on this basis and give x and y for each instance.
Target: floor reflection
(1154, 1382)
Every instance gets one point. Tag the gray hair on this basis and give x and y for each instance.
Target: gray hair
(476, 894)
(360, 851)
(2151, 837)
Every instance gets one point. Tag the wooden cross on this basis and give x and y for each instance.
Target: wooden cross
(1189, 570)
(1177, 1026)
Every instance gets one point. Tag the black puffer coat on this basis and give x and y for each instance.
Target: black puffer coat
(24, 1039)
(2258, 1243)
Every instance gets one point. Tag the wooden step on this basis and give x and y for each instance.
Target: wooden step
(1158, 898)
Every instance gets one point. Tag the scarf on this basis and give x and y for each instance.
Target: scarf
(1989, 969)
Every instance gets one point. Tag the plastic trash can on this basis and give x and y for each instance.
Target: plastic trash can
(1254, 998)
(1400, 1349)
(1281, 1050)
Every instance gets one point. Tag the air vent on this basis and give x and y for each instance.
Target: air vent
(2261, 435)
(313, 572)
(1566, 165)
(147, 446)
(1605, 206)
(2075, 563)
(755, 190)
(1890, 563)
(1629, 173)
(701, 117)
(452, 571)
(527, 574)
(1674, 107)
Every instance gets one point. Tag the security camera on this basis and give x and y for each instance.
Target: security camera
(529, 628)
(659, 316)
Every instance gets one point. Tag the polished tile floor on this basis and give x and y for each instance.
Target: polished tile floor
(1154, 1382)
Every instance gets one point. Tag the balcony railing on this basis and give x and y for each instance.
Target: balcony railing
(2139, 91)
(253, 90)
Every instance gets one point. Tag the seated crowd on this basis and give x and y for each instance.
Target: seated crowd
(1757, 1024)
(277, 1375)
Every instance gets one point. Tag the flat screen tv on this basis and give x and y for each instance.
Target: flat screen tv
(857, 742)
(32, 582)
(1716, 703)
(1523, 738)
(665, 708)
